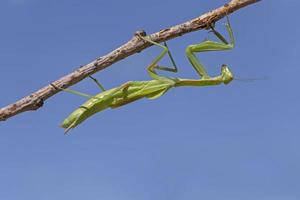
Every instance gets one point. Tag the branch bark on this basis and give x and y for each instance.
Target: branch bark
(135, 45)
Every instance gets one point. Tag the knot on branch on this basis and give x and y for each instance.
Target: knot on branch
(32, 102)
(140, 33)
(37, 103)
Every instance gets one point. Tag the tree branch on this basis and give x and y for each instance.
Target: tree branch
(135, 45)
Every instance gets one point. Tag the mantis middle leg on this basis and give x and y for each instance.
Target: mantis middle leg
(154, 64)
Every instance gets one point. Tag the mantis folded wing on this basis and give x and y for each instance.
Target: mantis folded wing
(159, 85)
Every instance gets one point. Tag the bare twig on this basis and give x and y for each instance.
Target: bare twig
(135, 45)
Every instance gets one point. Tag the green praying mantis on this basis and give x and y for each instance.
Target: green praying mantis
(159, 85)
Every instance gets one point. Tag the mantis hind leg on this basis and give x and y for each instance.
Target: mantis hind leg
(80, 93)
(210, 46)
(154, 65)
(72, 91)
(98, 83)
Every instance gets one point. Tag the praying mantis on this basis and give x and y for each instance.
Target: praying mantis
(159, 85)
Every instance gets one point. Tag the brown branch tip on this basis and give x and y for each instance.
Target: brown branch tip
(134, 45)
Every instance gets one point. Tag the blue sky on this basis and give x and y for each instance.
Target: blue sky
(239, 141)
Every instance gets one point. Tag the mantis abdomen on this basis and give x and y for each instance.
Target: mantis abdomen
(116, 97)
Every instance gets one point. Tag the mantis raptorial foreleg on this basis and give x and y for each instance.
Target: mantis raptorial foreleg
(190, 53)
(209, 46)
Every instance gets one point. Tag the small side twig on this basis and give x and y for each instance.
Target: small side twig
(135, 45)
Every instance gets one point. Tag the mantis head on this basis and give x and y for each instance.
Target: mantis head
(226, 74)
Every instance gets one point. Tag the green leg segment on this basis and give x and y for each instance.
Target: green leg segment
(98, 83)
(154, 64)
(73, 92)
(209, 46)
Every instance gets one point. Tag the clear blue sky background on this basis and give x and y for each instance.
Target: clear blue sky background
(233, 142)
